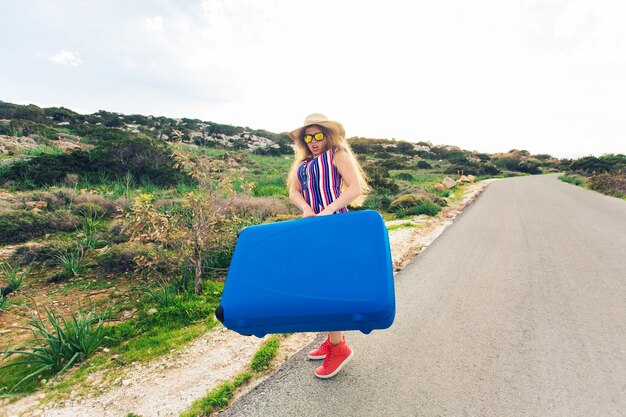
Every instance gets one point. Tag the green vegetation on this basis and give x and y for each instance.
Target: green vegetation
(13, 275)
(4, 303)
(605, 174)
(143, 217)
(68, 342)
(572, 180)
(405, 225)
(261, 360)
(220, 397)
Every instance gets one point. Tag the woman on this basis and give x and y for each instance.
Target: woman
(324, 178)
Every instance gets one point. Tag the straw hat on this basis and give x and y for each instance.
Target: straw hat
(320, 120)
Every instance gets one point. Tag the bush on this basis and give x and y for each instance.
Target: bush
(394, 162)
(117, 233)
(378, 179)
(376, 201)
(257, 207)
(46, 169)
(121, 258)
(52, 199)
(409, 202)
(425, 207)
(421, 164)
(613, 184)
(95, 204)
(405, 176)
(43, 253)
(22, 225)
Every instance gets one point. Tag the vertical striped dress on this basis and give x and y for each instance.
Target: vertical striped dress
(320, 181)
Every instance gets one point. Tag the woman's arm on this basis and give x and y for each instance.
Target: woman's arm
(295, 196)
(348, 174)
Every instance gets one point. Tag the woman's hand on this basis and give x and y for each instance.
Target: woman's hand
(308, 212)
(326, 212)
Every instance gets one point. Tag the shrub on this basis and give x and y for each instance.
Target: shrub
(425, 207)
(378, 179)
(259, 207)
(117, 233)
(376, 201)
(282, 218)
(421, 164)
(95, 204)
(590, 164)
(613, 184)
(45, 169)
(410, 201)
(43, 252)
(52, 200)
(22, 225)
(405, 176)
(121, 258)
(394, 162)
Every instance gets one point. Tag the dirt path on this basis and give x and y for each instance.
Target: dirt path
(168, 385)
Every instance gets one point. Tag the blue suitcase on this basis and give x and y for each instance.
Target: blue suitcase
(324, 273)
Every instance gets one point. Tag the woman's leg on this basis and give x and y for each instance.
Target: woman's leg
(335, 337)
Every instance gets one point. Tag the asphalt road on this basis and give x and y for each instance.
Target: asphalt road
(518, 309)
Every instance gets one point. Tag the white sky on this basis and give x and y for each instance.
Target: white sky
(548, 76)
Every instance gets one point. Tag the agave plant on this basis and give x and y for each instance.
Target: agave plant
(72, 262)
(163, 296)
(13, 275)
(60, 344)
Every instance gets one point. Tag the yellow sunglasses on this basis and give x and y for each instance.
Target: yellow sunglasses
(319, 136)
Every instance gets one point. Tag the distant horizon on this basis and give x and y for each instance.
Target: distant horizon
(86, 112)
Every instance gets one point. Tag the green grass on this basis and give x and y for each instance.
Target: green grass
(59, 343)
(262, 358)
(143, 338)
(572, 180)
(405, 225)
(44, 150)
(220, 397)
(4, 303)
(11, 273)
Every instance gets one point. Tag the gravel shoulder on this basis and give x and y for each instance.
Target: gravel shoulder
(168, 385)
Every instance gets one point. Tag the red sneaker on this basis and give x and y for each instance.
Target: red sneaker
(336, 357)
(320, 352)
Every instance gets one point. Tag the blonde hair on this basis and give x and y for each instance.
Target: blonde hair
(336, 142)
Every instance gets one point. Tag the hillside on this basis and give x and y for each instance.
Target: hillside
(29, 131)
(120, 228)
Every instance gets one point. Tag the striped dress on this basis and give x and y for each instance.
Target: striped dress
(320, 181)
